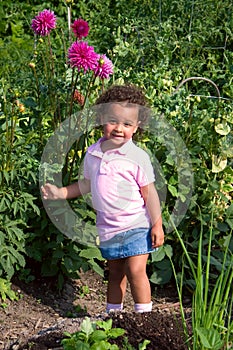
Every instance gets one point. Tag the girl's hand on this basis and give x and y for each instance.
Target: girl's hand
(50, 191)
(157, 234)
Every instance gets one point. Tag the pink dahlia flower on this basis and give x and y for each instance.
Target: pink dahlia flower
(104, 67)
(44, 23)
(82, 56)
(80, 28)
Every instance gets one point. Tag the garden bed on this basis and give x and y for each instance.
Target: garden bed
(37, 321)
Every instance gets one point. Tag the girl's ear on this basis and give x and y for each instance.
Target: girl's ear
(137, 126)
(135, 129)
(101, 119)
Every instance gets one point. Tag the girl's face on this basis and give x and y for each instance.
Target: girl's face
(120, 123)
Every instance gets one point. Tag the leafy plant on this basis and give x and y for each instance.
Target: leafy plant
(83, 291)
(60, 257)
(156, 46)
(96, 336)
(17, 177)
(6, 291)
(199, 123)
(212, 326)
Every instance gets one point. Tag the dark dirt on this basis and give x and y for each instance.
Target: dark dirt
(38, 320)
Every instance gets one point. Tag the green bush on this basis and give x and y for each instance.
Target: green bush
(155, 45)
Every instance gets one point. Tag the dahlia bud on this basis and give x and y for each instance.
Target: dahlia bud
(79, 98)
(32, 65)
(21, 107)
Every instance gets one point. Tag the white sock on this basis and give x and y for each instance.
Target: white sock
(114, 307)
(143, 307)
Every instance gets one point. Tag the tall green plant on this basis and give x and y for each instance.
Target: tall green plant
(212, 325)
(66, 80)
(17, 176)
(205, 126)
(47, 90)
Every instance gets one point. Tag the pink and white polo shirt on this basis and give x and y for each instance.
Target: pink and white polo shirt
(116, 178)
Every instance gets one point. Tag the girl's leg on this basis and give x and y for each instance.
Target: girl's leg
(135, 269)
(116, 281)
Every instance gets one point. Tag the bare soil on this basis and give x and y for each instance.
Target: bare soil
(38, 320)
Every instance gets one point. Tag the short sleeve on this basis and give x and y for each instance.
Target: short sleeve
(86, 171)
(145, 172)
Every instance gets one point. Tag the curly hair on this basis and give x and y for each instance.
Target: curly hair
(126, 93)
(120, 93)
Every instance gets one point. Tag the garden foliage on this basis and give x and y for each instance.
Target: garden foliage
(156, 45)
(97, 335)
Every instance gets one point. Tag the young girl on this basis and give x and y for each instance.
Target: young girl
(120, 177)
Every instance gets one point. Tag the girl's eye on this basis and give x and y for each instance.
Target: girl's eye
(112, 121)
(115, 122)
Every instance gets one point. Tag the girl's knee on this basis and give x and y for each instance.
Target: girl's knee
(136, 273)
(116, 271)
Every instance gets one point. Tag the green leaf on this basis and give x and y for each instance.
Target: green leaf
(106, 325)
(6, 291)
(168, 250)
(69, 263)
(203, 337)
(158, 255)
(144, 344)
(222, 129)
(67, 334)
(91, 253)
(218, 164)
(210, 338)
(230, 223)
(30, 102)
(101, 345)
(58, 254)
(6, 176)
(116, 332)
(73, 344)
(161, 276)
(87, 327)
(172, 190)
(18, 257)
(98, 335)
(170, 160)
(96, 267)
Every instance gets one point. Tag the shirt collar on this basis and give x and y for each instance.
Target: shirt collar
(95, 149)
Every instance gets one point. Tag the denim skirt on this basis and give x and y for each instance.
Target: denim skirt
(129, 243)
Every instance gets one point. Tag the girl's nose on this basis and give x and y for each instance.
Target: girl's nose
(118, 127)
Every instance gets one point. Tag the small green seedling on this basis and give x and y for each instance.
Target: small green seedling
(83, 291)
(95, 336)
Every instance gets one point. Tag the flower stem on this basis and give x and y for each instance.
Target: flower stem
(69, 21)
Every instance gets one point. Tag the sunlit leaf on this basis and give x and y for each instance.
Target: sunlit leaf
(87, 327)
(218, 164)
(222, 129)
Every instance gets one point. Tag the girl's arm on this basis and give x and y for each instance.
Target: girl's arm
(74, 190)
(152, 202)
